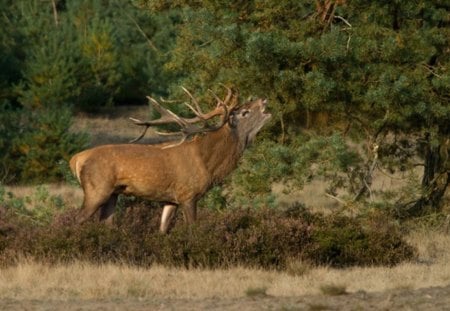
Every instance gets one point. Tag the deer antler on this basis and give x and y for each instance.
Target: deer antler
(187, 125)
(225, 104)
(197, 111)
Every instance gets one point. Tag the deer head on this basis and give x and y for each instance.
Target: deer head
(245, 120)
(248, 120)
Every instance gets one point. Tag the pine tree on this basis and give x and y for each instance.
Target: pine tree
(85, 53)
(377, 68)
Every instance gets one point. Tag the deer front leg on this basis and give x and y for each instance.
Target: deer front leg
(167, 216)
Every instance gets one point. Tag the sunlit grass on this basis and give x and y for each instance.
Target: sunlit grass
(80, 280)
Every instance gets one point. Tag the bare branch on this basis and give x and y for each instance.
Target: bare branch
(150, 42)
(55, 12)
(335, 198)
(344, 20)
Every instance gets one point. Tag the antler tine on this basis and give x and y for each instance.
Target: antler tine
(136, 121)
(228, 98)
(229, 93)
(219, 101)
(166, 115)
(236, 100)
(225, 103)
(177, 144)
(198, 112)
(194, 100)
(163, 100)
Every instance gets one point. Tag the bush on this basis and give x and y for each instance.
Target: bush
(263, 238)
(38, 208)
(305, 158)
(41, 147)
(343, 241)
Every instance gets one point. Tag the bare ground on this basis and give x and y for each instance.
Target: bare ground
(433, 298)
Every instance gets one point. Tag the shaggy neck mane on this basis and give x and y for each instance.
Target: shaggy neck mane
(220, 151)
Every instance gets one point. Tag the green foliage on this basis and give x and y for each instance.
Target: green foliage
(9, 55)
(40, 146)
(294, 165)
(263, 238)
(373, 57)
(214, 199)
(375, 69)
(9, 128)
(97, 53)
(39, 208)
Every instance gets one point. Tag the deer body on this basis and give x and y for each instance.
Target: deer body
(174, 175)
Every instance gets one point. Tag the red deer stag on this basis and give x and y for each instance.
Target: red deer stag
(175, 174)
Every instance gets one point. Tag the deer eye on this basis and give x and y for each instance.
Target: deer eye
(244, 113)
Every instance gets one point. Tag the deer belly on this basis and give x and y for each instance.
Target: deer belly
(153, 192)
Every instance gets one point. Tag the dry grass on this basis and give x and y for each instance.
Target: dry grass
(113, 127)
(29, 280)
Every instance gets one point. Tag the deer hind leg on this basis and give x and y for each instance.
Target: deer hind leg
(167, 217)
(107, 209)
(91, 204)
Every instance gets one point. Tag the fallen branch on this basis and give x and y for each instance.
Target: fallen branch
(336, 198)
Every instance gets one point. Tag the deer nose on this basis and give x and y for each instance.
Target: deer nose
(264, 104)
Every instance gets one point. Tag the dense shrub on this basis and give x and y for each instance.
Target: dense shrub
(263, 238)
(342, 241)
(40, 147)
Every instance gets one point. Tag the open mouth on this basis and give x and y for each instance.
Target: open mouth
(263, 109)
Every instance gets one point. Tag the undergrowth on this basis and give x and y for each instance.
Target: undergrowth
(261, 238)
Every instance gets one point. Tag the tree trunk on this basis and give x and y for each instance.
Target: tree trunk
(436, 177)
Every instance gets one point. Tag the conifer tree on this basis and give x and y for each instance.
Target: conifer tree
(378, 68)
(86, 53)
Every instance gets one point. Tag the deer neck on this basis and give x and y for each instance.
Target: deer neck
(220, 151)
